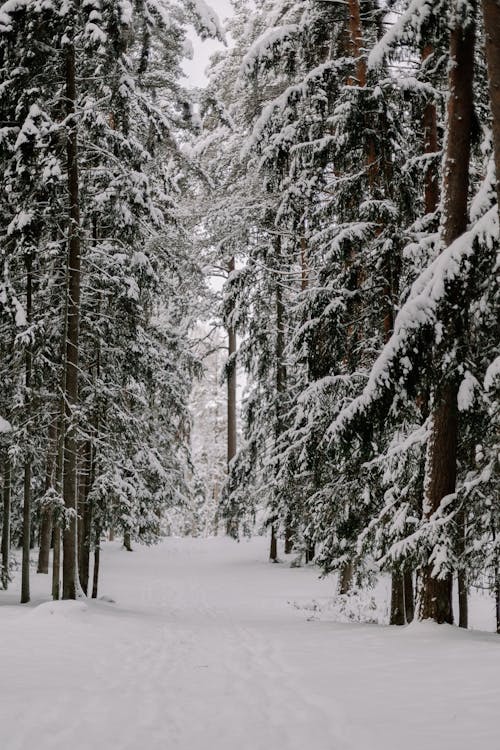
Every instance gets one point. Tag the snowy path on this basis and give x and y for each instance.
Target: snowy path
(202, 650)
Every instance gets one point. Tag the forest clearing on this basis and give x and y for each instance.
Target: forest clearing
(208, 646)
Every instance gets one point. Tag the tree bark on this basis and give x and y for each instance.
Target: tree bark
(88, 511)
(56, 553)
(127, 541)
(47, 512)
(70, 572)
(25, 568)
(491, 16)
(273, 550)
(398, 610)
(97, 559)
(6, 522)
(441, 463)
(497, 598)
(231, 388)
(345, 579)
(310, 552)
(431, 145)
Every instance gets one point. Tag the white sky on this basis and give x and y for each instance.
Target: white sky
(195, 68)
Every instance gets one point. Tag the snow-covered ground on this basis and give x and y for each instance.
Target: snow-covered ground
(209, 647)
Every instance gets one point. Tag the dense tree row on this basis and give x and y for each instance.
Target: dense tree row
(354, 153)
(99, 284)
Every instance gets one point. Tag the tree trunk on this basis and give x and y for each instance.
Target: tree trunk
(402, 603)
(463, 605)
(231, 388)
(288, 539)
(25, 569)
(56, 563)
(310, 552)
(441, 463)
(409, 597)
(47, 512)
(398, 609)
(127, 542)
(497, 598)
(70, 572)
(88, 511)
(273, 550)
(345, 579)
(6, 522)
(431, 145)
(97, 559)
(491, 15)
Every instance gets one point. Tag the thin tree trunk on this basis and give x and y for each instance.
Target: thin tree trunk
(6, 522)
(97, 559)
(497, 598)
(310, 552)
(56, 563)
(398, 609)
(56, 552)
(273, 550)
(441, 464)
(47, 511)
(491, 15)
(281, 369)
(25, 569)
(70, 572)
(127, 541)
(409, 596)
(288, 539)
(231, 388)
(431, 144)
(88, 510)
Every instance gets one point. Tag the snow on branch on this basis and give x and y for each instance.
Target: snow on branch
(417, 10)
(420, 310)
(292, 95)
(265, 46)
(4, 425)
(205, 20)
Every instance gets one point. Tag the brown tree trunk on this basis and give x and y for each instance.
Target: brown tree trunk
(431, 145)
(25, 569)
(491, 15)
(47, 511)
(6, 522)
(441, 465)
(356, 43)
(70, 572)
(231, 389)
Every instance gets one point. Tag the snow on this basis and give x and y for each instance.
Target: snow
(264, 47)
(4, 425)
(210, 646)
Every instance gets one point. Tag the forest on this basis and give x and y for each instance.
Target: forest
(265, 305)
